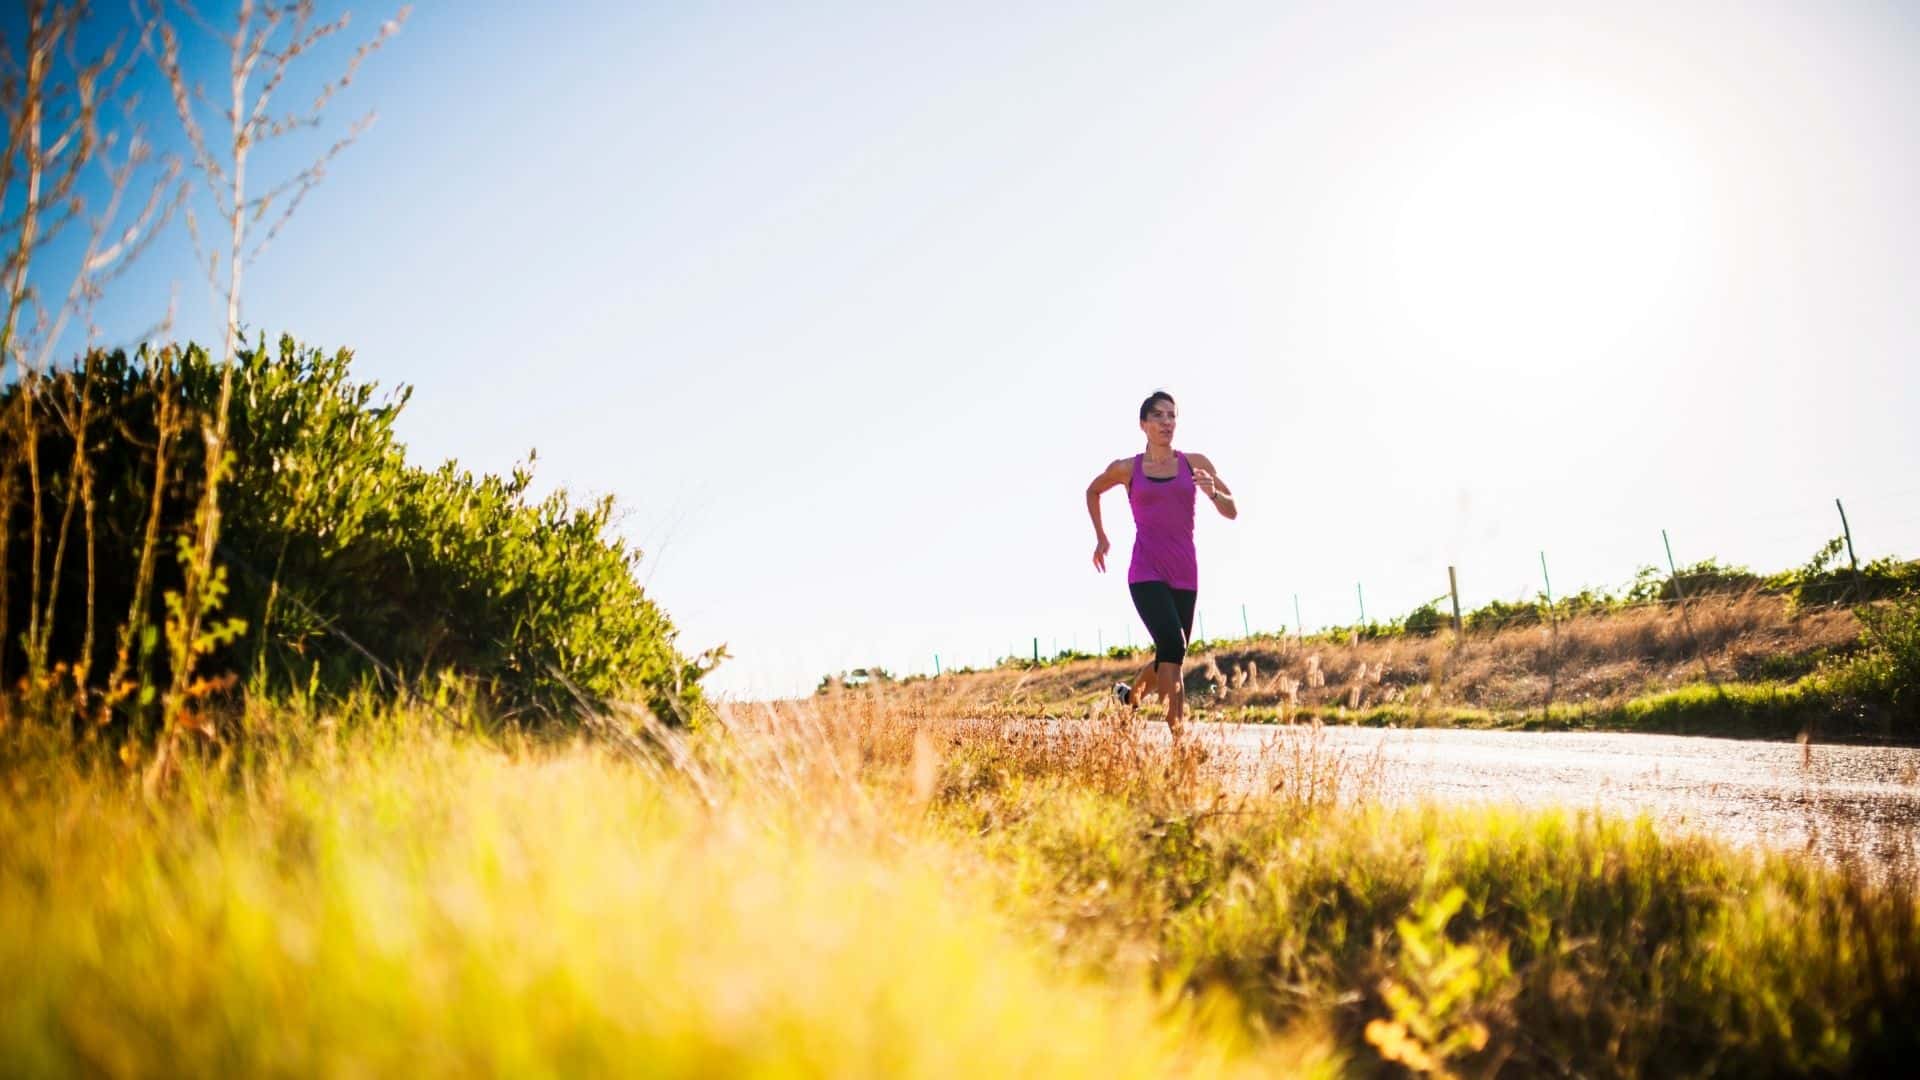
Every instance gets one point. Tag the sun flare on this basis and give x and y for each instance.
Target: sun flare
(1543, 227)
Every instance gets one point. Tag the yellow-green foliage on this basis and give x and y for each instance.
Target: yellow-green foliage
(1592, 944)
(423, 904)
(1888, 666)
(867, 887)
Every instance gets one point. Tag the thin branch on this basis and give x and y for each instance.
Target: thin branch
(167, 57)
(149, 225)
(201, 253)
(55, 199)
(283, 59)
(27, 130)
(194, 16)
(308, 179)
(85, 288)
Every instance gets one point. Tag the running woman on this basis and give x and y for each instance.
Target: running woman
(1164, 575)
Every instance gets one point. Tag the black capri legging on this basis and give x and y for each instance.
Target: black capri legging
(1168, 613)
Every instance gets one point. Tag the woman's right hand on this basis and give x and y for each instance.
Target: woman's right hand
(1100, 555)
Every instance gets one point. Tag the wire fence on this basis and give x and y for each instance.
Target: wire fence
(1672, 586)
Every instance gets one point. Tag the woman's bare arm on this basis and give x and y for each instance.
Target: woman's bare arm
(1207, 479)
(1113, 475)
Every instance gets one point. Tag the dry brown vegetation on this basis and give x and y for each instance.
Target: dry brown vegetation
(914, 731)
(1588, 660)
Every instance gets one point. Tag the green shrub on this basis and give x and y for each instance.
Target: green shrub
(1708, 577)
(1827, 579)
(1649, 585)
(1887, 668)
(348, 565)
(856, 678)
(1498, 614)
(1585, 602)
(1425, 620)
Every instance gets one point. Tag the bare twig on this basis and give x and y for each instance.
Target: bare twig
(53, 99)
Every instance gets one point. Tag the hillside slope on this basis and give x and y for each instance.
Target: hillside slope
(1747, 665)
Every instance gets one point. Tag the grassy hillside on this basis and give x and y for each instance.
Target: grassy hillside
(1754, 664)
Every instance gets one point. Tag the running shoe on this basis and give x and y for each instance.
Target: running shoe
(1123, 692)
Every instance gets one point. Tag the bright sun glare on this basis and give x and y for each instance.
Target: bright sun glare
(1535, 230)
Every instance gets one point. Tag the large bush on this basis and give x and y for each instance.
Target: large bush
(1827, 579)
(347, 566)
(1706, 577)
(1886, 670)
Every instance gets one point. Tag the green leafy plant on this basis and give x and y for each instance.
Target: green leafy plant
(1887, 669)
(1501, 613)
(1441, 985)
(1425, 620)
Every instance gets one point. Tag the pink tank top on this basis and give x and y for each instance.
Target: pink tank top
(1163, 527)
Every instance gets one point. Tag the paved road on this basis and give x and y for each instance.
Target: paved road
(1839, 802)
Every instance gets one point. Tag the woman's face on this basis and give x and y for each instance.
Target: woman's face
(1159, 423)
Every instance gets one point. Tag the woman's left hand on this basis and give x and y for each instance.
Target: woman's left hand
(1208, 481)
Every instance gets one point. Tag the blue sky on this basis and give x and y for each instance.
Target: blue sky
(847, 305)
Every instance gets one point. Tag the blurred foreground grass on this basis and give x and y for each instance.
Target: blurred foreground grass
(868, 886)
(436, 904)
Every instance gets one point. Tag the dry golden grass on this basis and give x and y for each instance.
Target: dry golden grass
(1589, 660)
(389, 896)
(1272, 885)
